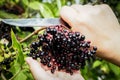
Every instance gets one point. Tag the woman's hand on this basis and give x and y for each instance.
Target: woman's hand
(41, 73)
(99, 24)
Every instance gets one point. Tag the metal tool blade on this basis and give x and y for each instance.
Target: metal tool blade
(33, 22)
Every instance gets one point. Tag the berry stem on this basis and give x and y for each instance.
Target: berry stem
(66, 28)
(3, 77)
(36, 31)
(33, 33)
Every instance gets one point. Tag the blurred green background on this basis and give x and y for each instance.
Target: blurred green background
(98, 69)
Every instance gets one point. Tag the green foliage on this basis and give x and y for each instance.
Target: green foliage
(19, 70)
(21, 76)
(16, 45)
(1, 2)
(3, 14)
(97, 63)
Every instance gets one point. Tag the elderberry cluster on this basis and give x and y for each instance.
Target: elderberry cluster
(6, 28)
(62, 49)
(5, 31)
(5, 64)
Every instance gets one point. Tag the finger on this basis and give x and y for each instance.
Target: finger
(37, 71)
(68, 14)
(66, 76)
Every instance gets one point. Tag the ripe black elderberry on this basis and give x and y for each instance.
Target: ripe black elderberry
(5, 31)
(6, 62)
(62, 49)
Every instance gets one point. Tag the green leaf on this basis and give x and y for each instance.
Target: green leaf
(118, 7)
(84, 72)
(105, 68)
(16, 45)
(34, 5)
(63, 2)
(59, 4)
(46, 11)
(96, 63)
(4, 14)
(2, 2)
(14, 68)
(28, 74)
(43, 8)
(115, 69)
(21, 76)
(26, 2)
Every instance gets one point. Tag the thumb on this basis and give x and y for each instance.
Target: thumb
(37, 71)
(68, 14)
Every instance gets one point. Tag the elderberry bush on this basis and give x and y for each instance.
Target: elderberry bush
(6, 28)
(62, 49)
(5, 31)
(6, 62)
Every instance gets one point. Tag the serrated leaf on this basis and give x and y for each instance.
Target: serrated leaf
(16, 45)
(96, 64)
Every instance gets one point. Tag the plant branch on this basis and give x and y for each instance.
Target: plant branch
(3, 77)
(33, 33)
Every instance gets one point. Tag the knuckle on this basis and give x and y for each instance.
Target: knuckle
(77, 6)
(74, 5)
(100, 9)
(105, 6)
(88, 6)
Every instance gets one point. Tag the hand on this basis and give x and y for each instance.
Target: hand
(99, 24)
(41, 73)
